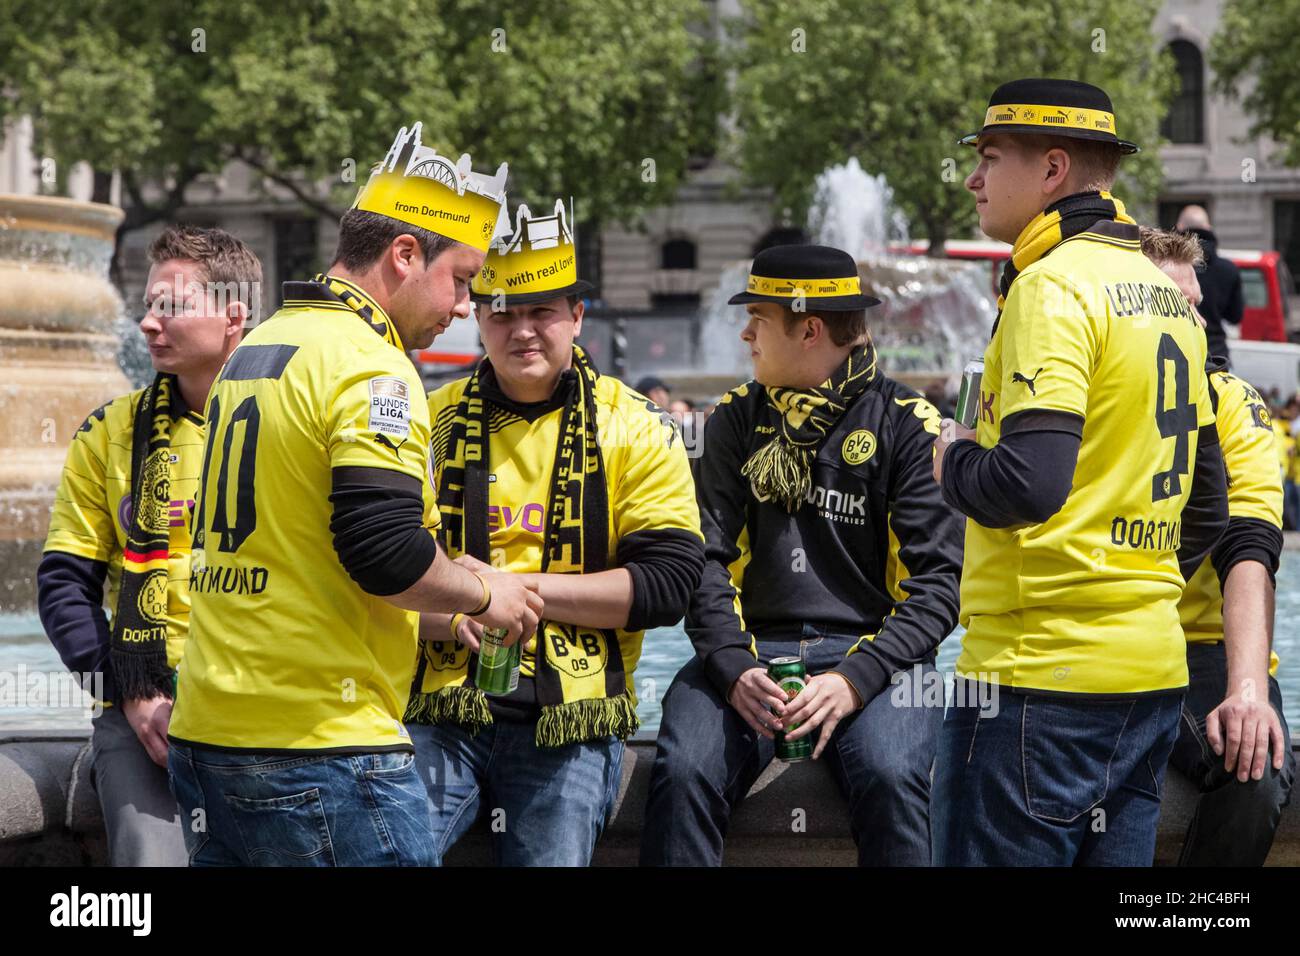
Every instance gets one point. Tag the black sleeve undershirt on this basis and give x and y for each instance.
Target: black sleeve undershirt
(70, 599)
(1247, 539)
(1205, 516)
(665, 564)
(1024, 478)
(378, 528)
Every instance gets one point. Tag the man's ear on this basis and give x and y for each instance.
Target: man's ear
(578, 310)
(1056, 171)
(236, 317)
(404, 255)
(814, 329)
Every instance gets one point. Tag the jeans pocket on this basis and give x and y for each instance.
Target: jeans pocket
(186, 790)
(283, 831)
(1066, 751)
(387, 765)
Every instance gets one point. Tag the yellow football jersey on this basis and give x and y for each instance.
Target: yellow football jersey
(1087, 601)
(650, 487)
(1254, 491)
(286, 651)
(92, 508)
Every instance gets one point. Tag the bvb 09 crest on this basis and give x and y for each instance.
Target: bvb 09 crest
(578, 652)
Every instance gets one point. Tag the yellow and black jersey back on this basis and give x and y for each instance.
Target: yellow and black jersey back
(1086, 602)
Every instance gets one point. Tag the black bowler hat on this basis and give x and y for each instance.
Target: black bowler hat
(1052, 107)
(826, 277)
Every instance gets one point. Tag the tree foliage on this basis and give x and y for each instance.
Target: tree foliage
(896, 84)
(1255, 52)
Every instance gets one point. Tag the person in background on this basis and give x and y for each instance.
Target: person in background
(654, 389)
(127, 492)
(1233, 742)
(1222, 300)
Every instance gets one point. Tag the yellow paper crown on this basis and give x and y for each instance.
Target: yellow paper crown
(539, 257)
(417, 186)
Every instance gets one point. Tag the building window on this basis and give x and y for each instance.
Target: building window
(677, 254)
(675, 301)
(297, 255)
(1185, 121)
(1286, 238)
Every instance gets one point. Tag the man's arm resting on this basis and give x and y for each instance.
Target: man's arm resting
(70, 599)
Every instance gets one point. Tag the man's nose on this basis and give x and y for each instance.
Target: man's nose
(462, 307)
(151, 322)
(976, 179)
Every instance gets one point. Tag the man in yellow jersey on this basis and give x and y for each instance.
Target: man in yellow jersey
(1095, 426)
(122, 518)
(313, 542)
(545, 467)
(1230, 722)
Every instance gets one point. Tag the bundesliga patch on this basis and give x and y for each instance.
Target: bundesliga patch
(390, 407)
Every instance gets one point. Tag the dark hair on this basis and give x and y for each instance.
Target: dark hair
(845, 327)
(365, 236)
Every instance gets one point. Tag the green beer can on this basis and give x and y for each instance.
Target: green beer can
(498, 665)
(968, 399)
(789, 674)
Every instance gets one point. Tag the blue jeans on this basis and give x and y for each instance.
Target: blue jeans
(1050, 781)
(545, 806)
(707, 758)
(240, 809)
(1233, 823)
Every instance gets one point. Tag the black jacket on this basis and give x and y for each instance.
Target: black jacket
(829, 563)
(1221, 294)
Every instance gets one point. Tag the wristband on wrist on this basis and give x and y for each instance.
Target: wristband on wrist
(487, 596)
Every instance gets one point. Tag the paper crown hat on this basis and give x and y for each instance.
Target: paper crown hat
(420, 188)
(537, 263)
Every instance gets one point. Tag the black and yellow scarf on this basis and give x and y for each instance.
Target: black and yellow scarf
(782, 469)
(1062, 219)
(138, 648)
(575, 706)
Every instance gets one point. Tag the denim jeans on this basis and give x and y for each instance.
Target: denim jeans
(1233, 823)
(545, 806)
(1042, 780)
(242, 809)
(707, 758)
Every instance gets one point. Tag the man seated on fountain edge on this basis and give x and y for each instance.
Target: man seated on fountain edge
(826, 539)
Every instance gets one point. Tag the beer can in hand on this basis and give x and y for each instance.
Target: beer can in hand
(968, 399)
(498, 666)
(789, 674)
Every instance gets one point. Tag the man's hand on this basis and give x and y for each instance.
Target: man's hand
(1246, 724)
(824, 702)
(473, 563)
(516, 606)
(752, 695)
(949, 432)
(470, 633)
(149, 719)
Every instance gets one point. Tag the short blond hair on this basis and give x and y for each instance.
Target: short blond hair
(1164, 245)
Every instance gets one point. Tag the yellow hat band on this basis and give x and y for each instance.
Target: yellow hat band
(527, 271)
(789, 288)
(1058, 117)
(419, 201)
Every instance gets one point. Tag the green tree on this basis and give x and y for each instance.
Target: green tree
(896, 85)
(576, 97)
(1255, 49)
